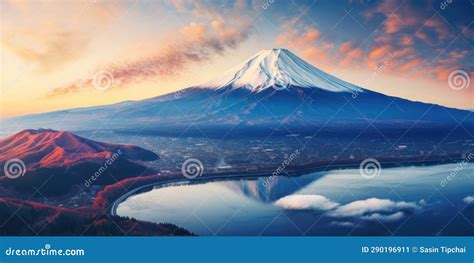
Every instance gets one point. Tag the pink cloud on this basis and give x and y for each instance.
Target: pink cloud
(198, 43)
(349, 54)
(345, 47)
(395, 23)
(378, 52)
(410, 65)
(307, 41)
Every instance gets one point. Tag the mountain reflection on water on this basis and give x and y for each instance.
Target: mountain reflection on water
(400, 201)
(270, 189)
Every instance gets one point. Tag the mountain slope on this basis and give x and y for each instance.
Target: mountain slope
(50, 148)
(63, 159)
(274, 92)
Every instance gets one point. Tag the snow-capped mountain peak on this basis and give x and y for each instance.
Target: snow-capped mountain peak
(280, 69)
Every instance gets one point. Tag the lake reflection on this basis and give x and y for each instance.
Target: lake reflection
(400, 201)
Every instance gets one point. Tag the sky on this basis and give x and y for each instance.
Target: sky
(66, 54)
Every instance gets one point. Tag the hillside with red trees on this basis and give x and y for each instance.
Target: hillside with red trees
(49, 164)
(56, 160)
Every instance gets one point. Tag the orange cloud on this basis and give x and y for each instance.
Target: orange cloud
(349, 54)
(395, 23)
(297, 40)
(434, 32)
(345, 47)
(441, 72)
(394, 44)
(384, 38)
(378, 52)
(406, 40)
(235, 13)
(307, 41)
(402, 53)
(422, 36)
(402, 17)
(199, 42)
(315, 54)
(48, 39)
(409, 65)
(310, 36)
(195, 31)
(47, 50)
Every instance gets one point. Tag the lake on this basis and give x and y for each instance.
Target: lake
(424, 200)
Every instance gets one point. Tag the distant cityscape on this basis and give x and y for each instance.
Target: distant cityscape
(253, 153)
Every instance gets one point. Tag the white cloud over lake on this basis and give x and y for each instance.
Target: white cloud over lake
(317, 202)
(385, 217)
(384, 210)
(361, 208)
(469, 199)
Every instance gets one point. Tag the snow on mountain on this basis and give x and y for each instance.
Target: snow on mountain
(279, 68)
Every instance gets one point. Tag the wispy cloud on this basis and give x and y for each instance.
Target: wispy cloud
(198, 42)
(222, 27)
(52, 40)
(410, 38)
(52, 49)
(307, 40)
(409, 30)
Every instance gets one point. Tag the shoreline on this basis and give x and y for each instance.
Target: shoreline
(290, 171)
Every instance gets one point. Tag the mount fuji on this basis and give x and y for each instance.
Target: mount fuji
(273, 91)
